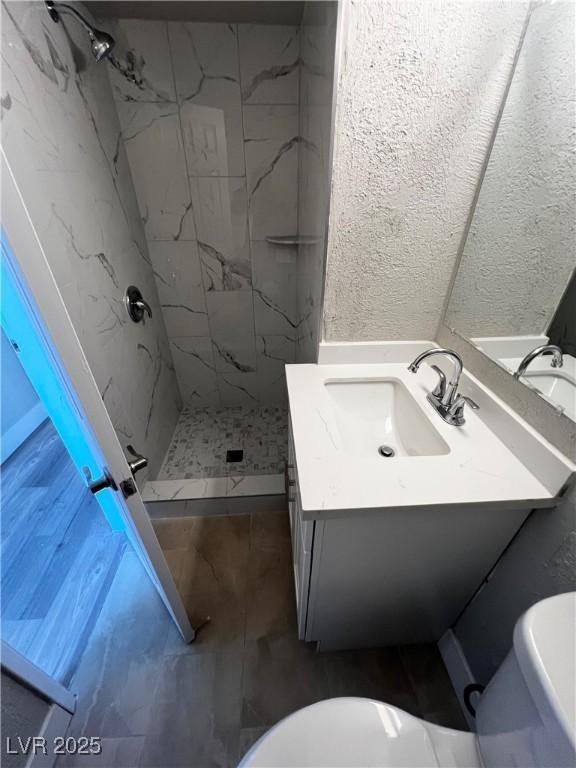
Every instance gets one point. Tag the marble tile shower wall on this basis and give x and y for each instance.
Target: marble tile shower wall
(317, 52)
(209, 114)
(62, 141)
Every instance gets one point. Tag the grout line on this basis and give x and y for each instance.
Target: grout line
(299, 267)
(248, 221)
(189, 183)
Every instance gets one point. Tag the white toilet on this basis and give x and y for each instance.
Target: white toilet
(526, 717)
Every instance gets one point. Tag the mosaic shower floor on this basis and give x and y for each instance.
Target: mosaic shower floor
(204, 437)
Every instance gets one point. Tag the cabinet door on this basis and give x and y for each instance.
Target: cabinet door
(302, 538)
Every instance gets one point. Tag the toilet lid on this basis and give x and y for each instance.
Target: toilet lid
(345, 732)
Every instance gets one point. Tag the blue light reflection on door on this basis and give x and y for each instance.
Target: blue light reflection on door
(23, 325)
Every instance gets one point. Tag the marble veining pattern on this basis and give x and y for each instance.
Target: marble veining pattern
(151, 133)
(140, 66)
(194, 363)
(275, 301)
(176, 498)
(179, 280)
(220, 209)
(269, 64)
(205, 58)
(271, 145)
(232, 327)
(62, 140)
(204, 435)
(214, 158)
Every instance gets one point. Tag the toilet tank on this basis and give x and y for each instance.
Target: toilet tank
(527, 714)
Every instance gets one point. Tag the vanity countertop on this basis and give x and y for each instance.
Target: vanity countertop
(495, 458)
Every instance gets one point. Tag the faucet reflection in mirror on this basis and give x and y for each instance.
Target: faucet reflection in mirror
(546, 349)
(514, 290)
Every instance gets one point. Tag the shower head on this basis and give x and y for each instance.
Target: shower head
(101, 43)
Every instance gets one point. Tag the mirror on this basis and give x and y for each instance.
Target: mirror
(515, 288)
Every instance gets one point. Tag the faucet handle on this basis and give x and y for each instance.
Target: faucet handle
(457, 410)
(440, 389)
(135, 304)
(143, 306)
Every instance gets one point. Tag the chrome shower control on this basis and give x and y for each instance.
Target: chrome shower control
(135, 304)
(140, 462)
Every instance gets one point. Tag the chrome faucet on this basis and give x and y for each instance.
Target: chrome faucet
(545, 349)
(445, 398)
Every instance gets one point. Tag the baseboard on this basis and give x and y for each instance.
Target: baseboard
(209, 488)
(458, 670)
(18, 433)
(55, 726)
(339, 353)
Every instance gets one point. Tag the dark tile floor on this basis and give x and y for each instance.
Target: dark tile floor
(157, 702)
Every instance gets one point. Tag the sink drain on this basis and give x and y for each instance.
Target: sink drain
(386, 451)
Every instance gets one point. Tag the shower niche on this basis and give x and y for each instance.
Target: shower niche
(225, 115)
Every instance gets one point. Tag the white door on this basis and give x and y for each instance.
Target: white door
(60, 705)
(36, 320)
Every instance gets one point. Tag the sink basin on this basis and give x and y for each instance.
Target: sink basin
(556, 385)
(374, 414)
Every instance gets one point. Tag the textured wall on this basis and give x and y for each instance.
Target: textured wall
(209, 114)
(516, 264)
(562, 329)
(62, 140)
(417, 97)
(541, 561)
(317, 53)
(519, 253)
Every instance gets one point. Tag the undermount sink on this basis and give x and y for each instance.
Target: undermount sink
(381, 418)
(558, 386)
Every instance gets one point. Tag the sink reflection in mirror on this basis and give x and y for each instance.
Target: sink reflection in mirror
(558, 387)
(515, 288)
(381, 413)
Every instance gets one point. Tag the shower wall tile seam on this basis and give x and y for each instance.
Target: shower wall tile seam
(194, 213)
(257, 345)
(300, 68)
(191, 175)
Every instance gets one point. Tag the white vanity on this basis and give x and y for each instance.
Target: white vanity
(390, 545)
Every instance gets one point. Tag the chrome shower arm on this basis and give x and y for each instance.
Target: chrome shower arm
(56, 9)
(101, 42)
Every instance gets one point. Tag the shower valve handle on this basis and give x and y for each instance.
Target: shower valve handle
(140, 462)
(135, 304)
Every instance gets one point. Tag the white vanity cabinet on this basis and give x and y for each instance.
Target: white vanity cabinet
(389, 550)
(389, 577)
(302, 532)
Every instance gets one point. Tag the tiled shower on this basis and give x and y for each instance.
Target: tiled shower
(226, 127)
